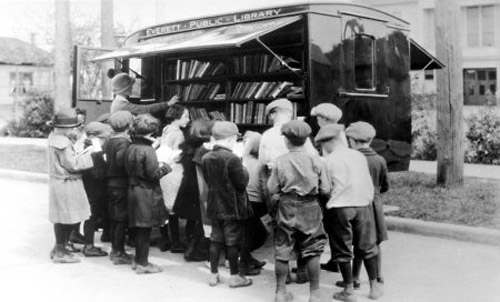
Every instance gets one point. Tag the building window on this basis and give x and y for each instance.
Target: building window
(480, 86)
(20, 82)
(480, 26)
(364, 67)
(429, 74)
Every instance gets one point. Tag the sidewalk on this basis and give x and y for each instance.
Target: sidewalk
(470, 170)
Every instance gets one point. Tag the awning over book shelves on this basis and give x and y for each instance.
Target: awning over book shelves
(220, 37)
(421, 59)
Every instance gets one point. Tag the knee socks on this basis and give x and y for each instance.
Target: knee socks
(346, 271)
(371, 267)
(214, 254)
(142, 245)
(281, 271)
(232, 256)
(89, 230)
(119, 229)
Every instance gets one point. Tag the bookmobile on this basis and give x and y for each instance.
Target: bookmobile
(230, 66)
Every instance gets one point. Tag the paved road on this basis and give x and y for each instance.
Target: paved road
(417, 268)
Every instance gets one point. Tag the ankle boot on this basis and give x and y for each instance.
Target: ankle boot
(376, 290)
(165, 243)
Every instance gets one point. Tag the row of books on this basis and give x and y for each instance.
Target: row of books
(202, 113)
(197, 91)
(192, 69)
(261, 63)
(263, 90)
(252, 113)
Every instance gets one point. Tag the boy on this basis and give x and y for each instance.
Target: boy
(116, 149)
(360, 135)
(228, 206)
(348, 218)
(299, 177)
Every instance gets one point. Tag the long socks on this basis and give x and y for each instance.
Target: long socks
(142, 245)
(232, 256)
(356, 268)
(120, 229)
(281, 271)
(371, 268)
(89, 230)
(346, 271)
(214, 254)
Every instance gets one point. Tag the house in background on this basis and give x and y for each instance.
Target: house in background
(480, 38)
(23, 66)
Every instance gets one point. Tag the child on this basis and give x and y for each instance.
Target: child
(177, 118)
(348, 216)
(360, 135)
(228, 204)
(94, 181)
(255, 232)
(145, 203)
(300, 179)
(116, 148)
(68, 203)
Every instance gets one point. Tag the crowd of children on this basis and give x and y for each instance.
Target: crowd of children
(314, 193)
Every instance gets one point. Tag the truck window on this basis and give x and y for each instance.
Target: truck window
(364, 65)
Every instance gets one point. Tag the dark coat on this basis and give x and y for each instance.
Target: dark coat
(378, 169)
(116, 148)
(227, 180)
(145, 201)
(187, 203)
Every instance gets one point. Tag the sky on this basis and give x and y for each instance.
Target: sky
(21, 18)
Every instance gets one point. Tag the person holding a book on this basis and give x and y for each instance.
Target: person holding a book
(122, 85)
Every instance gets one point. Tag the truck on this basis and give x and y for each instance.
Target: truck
(230, 66)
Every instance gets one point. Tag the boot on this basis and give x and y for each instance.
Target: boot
(376, 290)
(165, 243)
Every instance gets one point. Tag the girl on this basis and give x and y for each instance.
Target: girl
(145, 203)
(177, 118)
(68, 203)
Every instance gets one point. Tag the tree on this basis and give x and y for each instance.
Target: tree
(62, 55)
(450, 150)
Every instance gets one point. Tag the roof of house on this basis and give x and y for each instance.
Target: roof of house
(17, 52)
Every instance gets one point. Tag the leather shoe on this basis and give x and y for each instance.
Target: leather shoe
(94, 251)
(77, 238)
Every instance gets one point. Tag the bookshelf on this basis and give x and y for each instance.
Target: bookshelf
(236, 84)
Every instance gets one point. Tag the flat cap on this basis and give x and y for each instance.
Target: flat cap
(361, 131)
(328, 132)
(120, 120)
(296, 129)
(103, 118)
(328, 111)
(224, 129)
(252, 139)
(282, 104)
(98, 129)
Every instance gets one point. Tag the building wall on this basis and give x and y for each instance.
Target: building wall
(41, 78)
(420, 14)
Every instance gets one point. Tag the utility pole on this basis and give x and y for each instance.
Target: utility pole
(107, 42)
(450, 153)
(62, 55)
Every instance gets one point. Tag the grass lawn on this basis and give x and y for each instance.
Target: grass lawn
(477, 203)
(22, 158)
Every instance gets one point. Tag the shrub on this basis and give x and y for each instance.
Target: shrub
(483, 135)
(423, 133)
(37, 108)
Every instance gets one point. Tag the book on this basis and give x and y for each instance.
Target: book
(276, 91)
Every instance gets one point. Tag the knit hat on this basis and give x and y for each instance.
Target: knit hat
(103, 118)
(328, 132)
(98, 129)
(120, 120)
(328, 111)
(121, 82)
(65, 118)
(283, 104)
(224, 129)
(296, 131)
(253, 141)
(360, 131)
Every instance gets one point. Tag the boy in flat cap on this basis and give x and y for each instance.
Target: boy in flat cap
(272, 145)
(348, 216)
(360, 135)
(300, 179)
(117, 181)
(227, 206)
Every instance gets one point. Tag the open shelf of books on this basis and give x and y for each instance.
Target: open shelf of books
(236, 86)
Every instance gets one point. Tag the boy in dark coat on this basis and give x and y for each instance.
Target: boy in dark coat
(360, 135)
(228, 206)
(116, 149)
(300, 179)
(146, 208)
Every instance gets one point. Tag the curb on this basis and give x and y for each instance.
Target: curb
(397, 224)
(444, 230)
